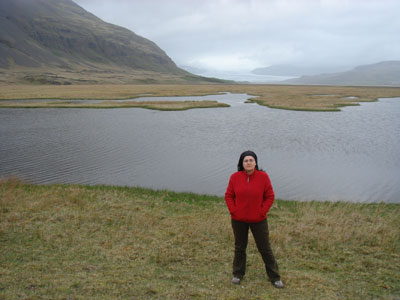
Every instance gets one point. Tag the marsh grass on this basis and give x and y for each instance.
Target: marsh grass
(311, 98)
(156, 105)
(101, 242)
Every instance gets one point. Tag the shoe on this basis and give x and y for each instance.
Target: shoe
(278, 284)
(235, 280)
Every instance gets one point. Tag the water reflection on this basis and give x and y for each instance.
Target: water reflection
(351, 155)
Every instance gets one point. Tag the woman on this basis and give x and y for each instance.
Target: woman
(249, 197)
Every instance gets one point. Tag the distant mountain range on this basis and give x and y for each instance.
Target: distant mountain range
(57, 41)
(385, 73)
(291, 70)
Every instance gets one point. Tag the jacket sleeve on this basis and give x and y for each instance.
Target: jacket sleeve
(268, 197)
(230, 196)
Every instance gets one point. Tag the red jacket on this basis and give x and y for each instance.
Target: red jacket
(249, 197)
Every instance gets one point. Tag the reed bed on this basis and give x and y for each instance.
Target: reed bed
(294, 97)
(103, 242)
(155, 105)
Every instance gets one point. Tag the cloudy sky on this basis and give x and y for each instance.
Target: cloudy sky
(240, 35)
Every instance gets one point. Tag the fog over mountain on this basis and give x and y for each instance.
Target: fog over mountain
(231, 38)
(237, 35)
(290, 70)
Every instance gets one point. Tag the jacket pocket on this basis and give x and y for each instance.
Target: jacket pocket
(234, 210)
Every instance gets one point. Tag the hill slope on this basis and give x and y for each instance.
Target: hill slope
(385, 73)
(51, 38)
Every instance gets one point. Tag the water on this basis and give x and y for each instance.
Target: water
(246, 76)
(351, 155)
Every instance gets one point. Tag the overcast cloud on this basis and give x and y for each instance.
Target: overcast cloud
(240, 35)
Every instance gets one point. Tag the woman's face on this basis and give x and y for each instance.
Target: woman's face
(249, 164)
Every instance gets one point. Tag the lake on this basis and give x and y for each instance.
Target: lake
(244, 76)
(352, 155)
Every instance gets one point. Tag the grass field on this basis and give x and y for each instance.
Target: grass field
(100, 242)
(312, 98)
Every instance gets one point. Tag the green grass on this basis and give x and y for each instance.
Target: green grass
(104, 242)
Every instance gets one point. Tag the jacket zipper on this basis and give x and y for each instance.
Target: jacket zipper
(248, 197)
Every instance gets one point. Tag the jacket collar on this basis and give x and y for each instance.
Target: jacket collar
(245, 174)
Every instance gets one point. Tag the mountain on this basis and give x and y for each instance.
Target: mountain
(386, 73)
(57, 41)
(290, 70)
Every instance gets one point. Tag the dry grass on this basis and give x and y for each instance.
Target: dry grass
(99, 75)
(80, 242)
(156, 105)
(318, 98)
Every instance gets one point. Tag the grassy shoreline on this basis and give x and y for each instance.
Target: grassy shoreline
(107, 242)
(305, 98)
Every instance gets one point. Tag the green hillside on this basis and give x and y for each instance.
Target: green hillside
(57, 41)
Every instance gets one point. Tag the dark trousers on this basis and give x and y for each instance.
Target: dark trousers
(261, 236)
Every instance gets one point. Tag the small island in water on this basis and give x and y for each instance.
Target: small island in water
(291, 97)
